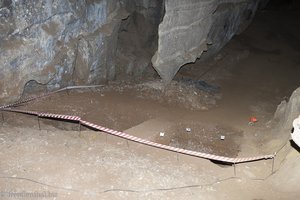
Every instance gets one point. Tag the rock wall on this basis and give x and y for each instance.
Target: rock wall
(287, 111)
(55, 43)
(193, 26)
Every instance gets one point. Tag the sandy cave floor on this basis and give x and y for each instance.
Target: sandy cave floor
(92, 165)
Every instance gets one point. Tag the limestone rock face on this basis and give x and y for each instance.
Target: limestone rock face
(56, 42)
(287, 111)
(191, 27)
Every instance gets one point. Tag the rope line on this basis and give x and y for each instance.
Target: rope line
(33, 98)
(140, 140)
(122, 134)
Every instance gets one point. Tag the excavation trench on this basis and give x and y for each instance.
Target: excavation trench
(124, 111)
(185, 145)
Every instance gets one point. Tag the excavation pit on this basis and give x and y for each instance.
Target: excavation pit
(204, 138)
(109, 109)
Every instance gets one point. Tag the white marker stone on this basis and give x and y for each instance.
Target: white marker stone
(188, 129)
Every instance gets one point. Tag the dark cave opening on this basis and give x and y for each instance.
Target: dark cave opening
(283, 4)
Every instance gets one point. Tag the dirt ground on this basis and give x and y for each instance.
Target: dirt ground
(254, 72)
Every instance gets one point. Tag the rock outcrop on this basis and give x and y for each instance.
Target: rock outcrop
(191, 27)
(287, 111)
(65, 42)
(56, 43)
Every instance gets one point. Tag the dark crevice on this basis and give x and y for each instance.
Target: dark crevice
(138, 41)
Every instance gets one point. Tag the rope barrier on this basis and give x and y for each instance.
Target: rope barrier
(140, 140)
(122, 134)
(29, 99)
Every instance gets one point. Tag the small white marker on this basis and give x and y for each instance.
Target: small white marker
(188, 129)
(161, 134)
(222, 137)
